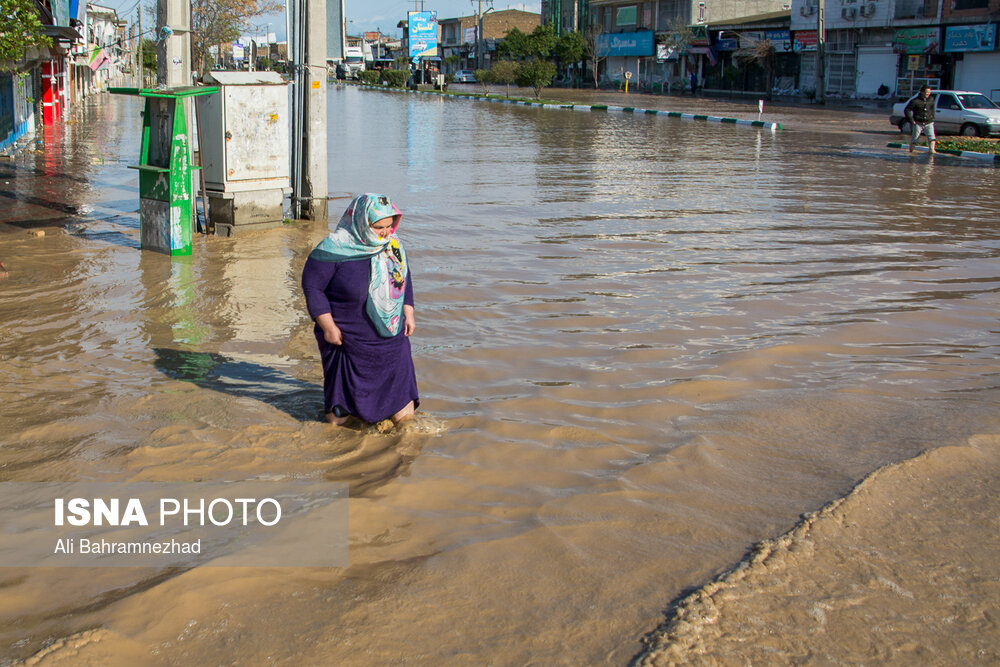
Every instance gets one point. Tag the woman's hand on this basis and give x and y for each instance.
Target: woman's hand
(331, 332)
(409, 321)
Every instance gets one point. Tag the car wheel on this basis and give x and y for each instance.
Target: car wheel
(970, 130)
(905, 127)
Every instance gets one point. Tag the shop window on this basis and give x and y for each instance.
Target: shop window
(625, 17)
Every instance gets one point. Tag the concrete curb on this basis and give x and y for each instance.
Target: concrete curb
(986, 157)
(774, 127)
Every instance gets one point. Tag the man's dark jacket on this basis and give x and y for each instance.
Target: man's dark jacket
(921, 110)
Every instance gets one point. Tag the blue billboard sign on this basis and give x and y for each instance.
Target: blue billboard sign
(422, 31)
(626, 43)
(959, 38)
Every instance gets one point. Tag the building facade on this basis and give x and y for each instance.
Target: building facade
(457, 37)
(889, 48)
(874, 48)
(566, 15)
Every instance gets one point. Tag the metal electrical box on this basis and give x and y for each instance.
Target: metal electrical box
(244, 144)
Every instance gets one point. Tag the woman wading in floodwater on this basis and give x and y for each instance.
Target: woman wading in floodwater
(358, 291)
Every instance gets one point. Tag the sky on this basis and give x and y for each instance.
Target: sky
(365, 15)
(371, 15)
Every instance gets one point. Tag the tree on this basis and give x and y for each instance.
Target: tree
(222, 21)
(596, 49)
(761, 54)
(542, 42)
(519, 45)
(484, 79)
(504, 72)
(514, 45)
(535, 73)
(149, 61)
(679, 36)
(570, 48)
(22, 29)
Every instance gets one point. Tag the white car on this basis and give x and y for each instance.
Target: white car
(465, 76)
(955, 112)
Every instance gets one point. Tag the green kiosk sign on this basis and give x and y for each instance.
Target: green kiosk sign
(166, 201)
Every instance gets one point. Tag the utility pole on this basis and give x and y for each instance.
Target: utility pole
(821, 52)
(139, 56)
(309, 169)
(173, 58)
(316, 188)
(480, 40)
(174, 51)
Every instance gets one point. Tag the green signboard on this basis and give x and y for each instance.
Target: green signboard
(917, 40)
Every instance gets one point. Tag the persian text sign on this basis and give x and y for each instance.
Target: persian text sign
(959, 38)
(625, 43)
(237, 524)
(781, 40)
(805, 40)
(422, 29)
(917, 40)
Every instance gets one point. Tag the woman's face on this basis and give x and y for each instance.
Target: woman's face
(383, 227)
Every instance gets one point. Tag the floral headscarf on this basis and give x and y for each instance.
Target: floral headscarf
(354, 238)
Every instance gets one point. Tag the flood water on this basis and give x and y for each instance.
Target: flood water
(643, 345)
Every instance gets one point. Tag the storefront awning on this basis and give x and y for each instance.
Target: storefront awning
(61, 33)
(780, 19)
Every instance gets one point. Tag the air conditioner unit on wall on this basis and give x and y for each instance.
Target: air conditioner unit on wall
(849, 13)
(869, 10)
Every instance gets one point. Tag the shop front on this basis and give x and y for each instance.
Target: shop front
(976, 62)
(920, 62)
(628, 54)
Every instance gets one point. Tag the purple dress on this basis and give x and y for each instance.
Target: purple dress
(369, 376)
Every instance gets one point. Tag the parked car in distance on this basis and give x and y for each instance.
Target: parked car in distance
(465, 76)
(955, 112)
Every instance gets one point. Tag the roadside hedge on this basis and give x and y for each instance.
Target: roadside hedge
(395, 78)
(974, 144)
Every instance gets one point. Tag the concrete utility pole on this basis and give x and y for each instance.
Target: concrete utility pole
(309, 154)
(174, 52)
(821, 52)
(480, 40)
(138, 67)
(315, 154)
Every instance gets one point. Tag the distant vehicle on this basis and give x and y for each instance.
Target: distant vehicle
(465, 76)
(955, 112)
(354, 59)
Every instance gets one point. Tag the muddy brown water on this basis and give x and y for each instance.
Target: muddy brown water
(644, 345)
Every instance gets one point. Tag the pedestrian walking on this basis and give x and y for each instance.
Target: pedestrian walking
(920, 112)
(694, 83)
(358, 291)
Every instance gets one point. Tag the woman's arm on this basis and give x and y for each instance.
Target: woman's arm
(316, 276)
(409, 321)
(331, 332)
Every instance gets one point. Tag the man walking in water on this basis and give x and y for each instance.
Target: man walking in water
(920, 112)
